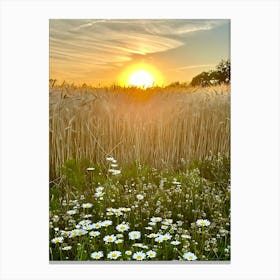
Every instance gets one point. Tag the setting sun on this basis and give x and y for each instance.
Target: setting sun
(141, 78)
(141, 75)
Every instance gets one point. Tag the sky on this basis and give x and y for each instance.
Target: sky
(104, 52)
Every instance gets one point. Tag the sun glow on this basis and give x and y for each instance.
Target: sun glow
(141, 75)
(141, 78)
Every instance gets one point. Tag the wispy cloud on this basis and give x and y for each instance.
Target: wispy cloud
(193, 67)
(95, 45)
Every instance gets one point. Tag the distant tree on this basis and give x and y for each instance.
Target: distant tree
(214, 77)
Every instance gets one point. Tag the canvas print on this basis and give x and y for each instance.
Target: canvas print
(139, 140)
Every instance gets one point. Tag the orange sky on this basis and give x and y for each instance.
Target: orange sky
(98, 52)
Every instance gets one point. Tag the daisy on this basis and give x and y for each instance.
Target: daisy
(107, 223)
(97, 225)
(159, 238)
(109, 238)
(189, 256)
(151, 254)
(87, 205)
(156, 219)
(129, 253)
(122, 227)
(88, 227)
(57, 240)
(71, 212)
(114, 171)
(140, 245)
(94, 233)
(90, 168)
(167, 236)
(110, 158)
(202, 223)
(167, 221)
(175, 242)
(67, 248)
(140, 196)
(99, 189)
(114, 255)
(134, 235)
(97, 255)
(139, 256)
(85, 223)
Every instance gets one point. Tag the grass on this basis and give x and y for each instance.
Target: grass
(166, 197)
(134, 197)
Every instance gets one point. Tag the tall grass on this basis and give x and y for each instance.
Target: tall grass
(159, 126)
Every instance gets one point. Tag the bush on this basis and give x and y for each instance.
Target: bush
(214, 77)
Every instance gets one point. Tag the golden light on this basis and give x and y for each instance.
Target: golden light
(141, 78)
(140, 75)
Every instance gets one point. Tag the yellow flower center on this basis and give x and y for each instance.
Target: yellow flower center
(114, 255)
(190, 257)
(139, 257)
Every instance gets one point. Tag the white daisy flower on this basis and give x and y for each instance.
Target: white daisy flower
(119, 241)
(110, 158)
(167, 221)
(189, 256)
(109, 238)
(129, 253)
(107, 223)
(87, 205)
(94, 233)
(97, 255)
(156, 219)
(98, 194)
(202, 223)
(166, 236)
(134, 235)
(57, 240)
(114, 171)
(113, 255)
(71, 212)
(85, 223)
(151, 254)
(140, 196)
(97, 225)
(122, 227)
(140, 245)
(66, 248)
(139, 256)
(175, 242)
(90, 168)
(99, 189)
(114, 165)
(88, 227)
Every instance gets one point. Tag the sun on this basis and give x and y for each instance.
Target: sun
(140, 75)
(141, 78)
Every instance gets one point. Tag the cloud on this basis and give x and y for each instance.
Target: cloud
(193, 67)
(104, 44)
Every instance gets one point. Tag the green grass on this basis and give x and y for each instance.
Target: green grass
(202, 192)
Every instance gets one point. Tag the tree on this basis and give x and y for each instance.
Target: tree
(214, 77)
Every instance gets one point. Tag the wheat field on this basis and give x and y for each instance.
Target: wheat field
(159, 126)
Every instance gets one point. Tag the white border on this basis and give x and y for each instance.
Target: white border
(255, 138)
